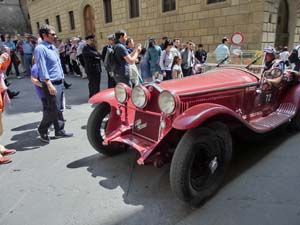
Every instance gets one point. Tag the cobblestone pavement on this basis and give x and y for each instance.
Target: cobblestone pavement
(67, 183)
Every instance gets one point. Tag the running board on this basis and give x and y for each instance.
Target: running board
(282, 115)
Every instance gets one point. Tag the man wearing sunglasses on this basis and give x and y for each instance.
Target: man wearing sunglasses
(51, 75)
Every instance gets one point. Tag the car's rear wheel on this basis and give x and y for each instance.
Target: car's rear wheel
(295, 123)
(200, 162)
(96, 131)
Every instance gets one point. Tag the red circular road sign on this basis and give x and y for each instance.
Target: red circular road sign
(237, 38)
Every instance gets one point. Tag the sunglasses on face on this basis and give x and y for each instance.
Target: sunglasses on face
(52, 34)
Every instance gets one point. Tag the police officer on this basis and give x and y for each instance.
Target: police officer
(92, 64)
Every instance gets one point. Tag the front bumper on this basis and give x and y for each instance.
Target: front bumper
(124, 135)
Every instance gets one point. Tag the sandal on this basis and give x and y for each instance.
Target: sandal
(4, 160)
(8, 152)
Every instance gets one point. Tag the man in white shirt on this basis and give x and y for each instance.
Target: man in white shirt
(80, 47)
(222, 51)
(284, 56)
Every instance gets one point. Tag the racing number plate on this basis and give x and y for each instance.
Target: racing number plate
(146, 125)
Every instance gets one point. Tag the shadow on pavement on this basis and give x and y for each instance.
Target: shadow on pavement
(150, 187)
(29, 126)
(26, 141)
(247, 154)
(141, 185)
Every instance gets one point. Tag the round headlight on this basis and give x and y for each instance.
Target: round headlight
(166, 102)
(276, 72)
(139, 96)
(121, 93)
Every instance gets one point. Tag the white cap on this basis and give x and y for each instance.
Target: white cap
(270, 49)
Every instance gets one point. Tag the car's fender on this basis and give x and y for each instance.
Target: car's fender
(198, 114)
(107, 95)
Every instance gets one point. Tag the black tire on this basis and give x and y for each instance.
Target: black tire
(200, 162)
(96, 131)
(295, 123)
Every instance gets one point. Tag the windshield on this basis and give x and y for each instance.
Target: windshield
(249, 60)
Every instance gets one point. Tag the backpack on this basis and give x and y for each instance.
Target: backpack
(110, 62)
(293, 58)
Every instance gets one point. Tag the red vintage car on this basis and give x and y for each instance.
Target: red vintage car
(191, 121)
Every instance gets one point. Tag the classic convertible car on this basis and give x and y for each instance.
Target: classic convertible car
(191, 121)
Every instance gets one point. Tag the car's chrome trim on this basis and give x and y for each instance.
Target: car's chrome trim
(156, 86)
(220, 89)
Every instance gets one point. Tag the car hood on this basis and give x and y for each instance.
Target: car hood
(218, 78)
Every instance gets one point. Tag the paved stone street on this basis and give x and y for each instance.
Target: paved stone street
(68, 183)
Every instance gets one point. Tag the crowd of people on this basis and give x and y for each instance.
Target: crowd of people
(47, 59)
(133, 63)
(169, 60)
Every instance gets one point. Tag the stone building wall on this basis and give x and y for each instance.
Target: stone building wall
(13, 17)
(270, 21)
(192, 19)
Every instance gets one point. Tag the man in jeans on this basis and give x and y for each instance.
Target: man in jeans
(14, 58)
(111, 41)
(51, 75)
(27, 51)
(188, 59)
(123, 58)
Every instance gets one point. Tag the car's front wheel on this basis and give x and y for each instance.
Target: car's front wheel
(199, 163)
(96, 131)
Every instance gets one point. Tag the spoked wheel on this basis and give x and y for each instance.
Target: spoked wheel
(200, 162)
(96, 131)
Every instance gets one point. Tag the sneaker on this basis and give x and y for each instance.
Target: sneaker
(7, 83)
(44, 137)
(13, 94)
(67, 85)
(63, 135)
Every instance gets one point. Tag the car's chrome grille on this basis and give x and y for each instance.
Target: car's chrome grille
(147, 125)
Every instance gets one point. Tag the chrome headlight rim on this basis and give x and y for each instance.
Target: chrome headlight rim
(275, 72)
(125, 89)
(146, 94)
(175, 100)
